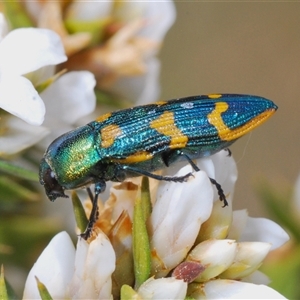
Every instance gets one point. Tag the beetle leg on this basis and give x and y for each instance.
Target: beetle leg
(213, 181)
(228, 151)
(89, 191)
(158, 177)
(99, 188)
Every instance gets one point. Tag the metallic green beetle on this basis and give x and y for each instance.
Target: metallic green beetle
(143, 139)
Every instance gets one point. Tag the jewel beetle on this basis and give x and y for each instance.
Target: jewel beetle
(143, 139)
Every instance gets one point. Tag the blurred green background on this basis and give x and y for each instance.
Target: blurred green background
(243, 47)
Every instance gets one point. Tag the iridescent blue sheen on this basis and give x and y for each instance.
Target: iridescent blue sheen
(143, 139)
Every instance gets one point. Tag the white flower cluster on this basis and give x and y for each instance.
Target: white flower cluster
(125, 65)
(198, 248)
(27, 57)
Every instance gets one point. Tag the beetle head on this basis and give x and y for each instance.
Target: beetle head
(48, 180)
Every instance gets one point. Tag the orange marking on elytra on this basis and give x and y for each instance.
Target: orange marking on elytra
(109, 134)
(103, 117)
(227, 134)
(165, 125)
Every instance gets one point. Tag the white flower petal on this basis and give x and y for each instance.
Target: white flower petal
(70, 98)
(131, 10)
(222, 168)
(159, 17)
(25, 50)
(264, 230)
(218, 224)
(230, 289)
(225, 171)
(257, 277)
(247, 229)
(125, 198)
(151, 88)
(213, 260)
(18, 97)
(248, 259)
(80, 257)
(94, 264)
(19, 135)
(163, 288)
(54, 268)
(83, 11)
(33, 8)
(239, 221)
(142, 89)
(41, 75)
(252, 253)
(177, 215)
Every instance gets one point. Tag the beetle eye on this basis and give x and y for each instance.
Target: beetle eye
(48, 180)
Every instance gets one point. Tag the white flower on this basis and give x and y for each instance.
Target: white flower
(159, 17)
(126, 63)
(19, 135)
(67, 100)
(93, 11)
(54, 268)
(177, 215)
(23, 51)
(248, 259)
(66, 273)
(257, 277)
(219, 166)
(247, 229)
(94, 264)
(230, 289)
(211, 258)
(194, 259)
(163, 288)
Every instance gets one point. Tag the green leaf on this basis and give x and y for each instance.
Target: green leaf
(6, 291)
(18, 171)
(12, 192)
(95, 27)
(16, 14)
(79, 212)
(146, 198)
(283, 271)
(141, 244)
(42, 86)
(127, 292)
(280, 208)
(25, 237)
(195, 291)
(43, 290)
(3, 290)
